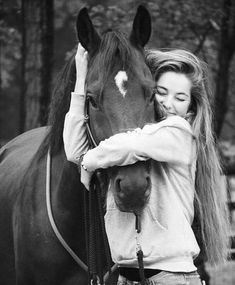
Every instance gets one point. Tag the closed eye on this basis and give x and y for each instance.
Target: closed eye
(181, 97)
(181, 100)
(160, 91)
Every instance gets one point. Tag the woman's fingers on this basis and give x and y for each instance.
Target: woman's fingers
(81, 55)
(81, 62)
(81, 50)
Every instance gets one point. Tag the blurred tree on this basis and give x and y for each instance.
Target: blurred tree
(64, 33)
(225, 54)
(1, 20)
(9, 68)
(37, 54)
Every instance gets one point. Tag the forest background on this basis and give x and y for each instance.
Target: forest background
(38, 36)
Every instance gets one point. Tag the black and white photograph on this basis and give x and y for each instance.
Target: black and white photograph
(117, 142)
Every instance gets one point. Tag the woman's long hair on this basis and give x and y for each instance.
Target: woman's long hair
(210, 197)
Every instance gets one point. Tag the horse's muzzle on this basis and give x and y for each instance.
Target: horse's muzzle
(132, 188)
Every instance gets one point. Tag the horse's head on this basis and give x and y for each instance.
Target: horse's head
(119, 89)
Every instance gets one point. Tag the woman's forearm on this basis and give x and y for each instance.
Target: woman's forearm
(117, 150)
(74, 134)
(166, 143)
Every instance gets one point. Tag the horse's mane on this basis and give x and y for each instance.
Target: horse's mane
(115, 50)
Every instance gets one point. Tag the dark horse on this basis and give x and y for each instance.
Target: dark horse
(30, 253)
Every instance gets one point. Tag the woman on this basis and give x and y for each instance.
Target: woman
(186, 174)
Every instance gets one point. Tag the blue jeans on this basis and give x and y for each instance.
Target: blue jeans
(166, 278)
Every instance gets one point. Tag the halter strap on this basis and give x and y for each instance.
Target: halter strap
(51, 218)
(93, 143)
(91, 138)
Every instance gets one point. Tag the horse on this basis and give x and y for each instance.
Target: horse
(30, 252)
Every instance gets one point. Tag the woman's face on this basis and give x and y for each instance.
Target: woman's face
(173, 92)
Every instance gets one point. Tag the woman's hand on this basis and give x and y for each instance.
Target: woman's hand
(86, 177)
(81, 69)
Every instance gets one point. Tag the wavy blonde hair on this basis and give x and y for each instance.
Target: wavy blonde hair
(210, 198)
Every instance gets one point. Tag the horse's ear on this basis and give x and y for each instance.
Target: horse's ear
(87, 35)
(141, 29)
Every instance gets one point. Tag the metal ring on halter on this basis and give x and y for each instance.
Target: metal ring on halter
(86, 119)
(97, 281)
(81, 161)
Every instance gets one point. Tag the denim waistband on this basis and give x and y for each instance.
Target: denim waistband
(166, 278)
(132, 274)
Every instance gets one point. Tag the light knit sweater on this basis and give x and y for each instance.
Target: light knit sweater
(167, 239)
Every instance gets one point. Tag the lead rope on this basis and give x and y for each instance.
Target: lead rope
(139, 251)
(93, 236)
(100, 199)
(56, 230)
(99, 251)
(51, 218)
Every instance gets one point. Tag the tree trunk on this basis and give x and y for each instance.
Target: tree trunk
(37, 50)
(1, 21)
(226, 51)
(47, 16)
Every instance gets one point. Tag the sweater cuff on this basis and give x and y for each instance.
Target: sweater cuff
(77, 103)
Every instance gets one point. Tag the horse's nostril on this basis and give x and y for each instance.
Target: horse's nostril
(118, 183)
(148, 183)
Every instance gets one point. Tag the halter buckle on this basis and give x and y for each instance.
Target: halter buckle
(86, 119)
(95, 281)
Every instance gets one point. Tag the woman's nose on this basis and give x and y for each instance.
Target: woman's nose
(167, 103)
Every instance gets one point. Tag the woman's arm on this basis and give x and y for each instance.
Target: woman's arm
(168, 141)
(74, 134)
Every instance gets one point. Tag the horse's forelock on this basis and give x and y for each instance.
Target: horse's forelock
(114, 48)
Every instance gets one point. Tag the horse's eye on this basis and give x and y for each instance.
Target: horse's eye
(92, 100)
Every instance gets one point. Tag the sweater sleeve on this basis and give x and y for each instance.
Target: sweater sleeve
(168, 141)
(74, 133)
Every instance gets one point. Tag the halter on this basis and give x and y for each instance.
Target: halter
(94, 215)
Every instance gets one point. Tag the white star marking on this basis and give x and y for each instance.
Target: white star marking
(120, 78)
